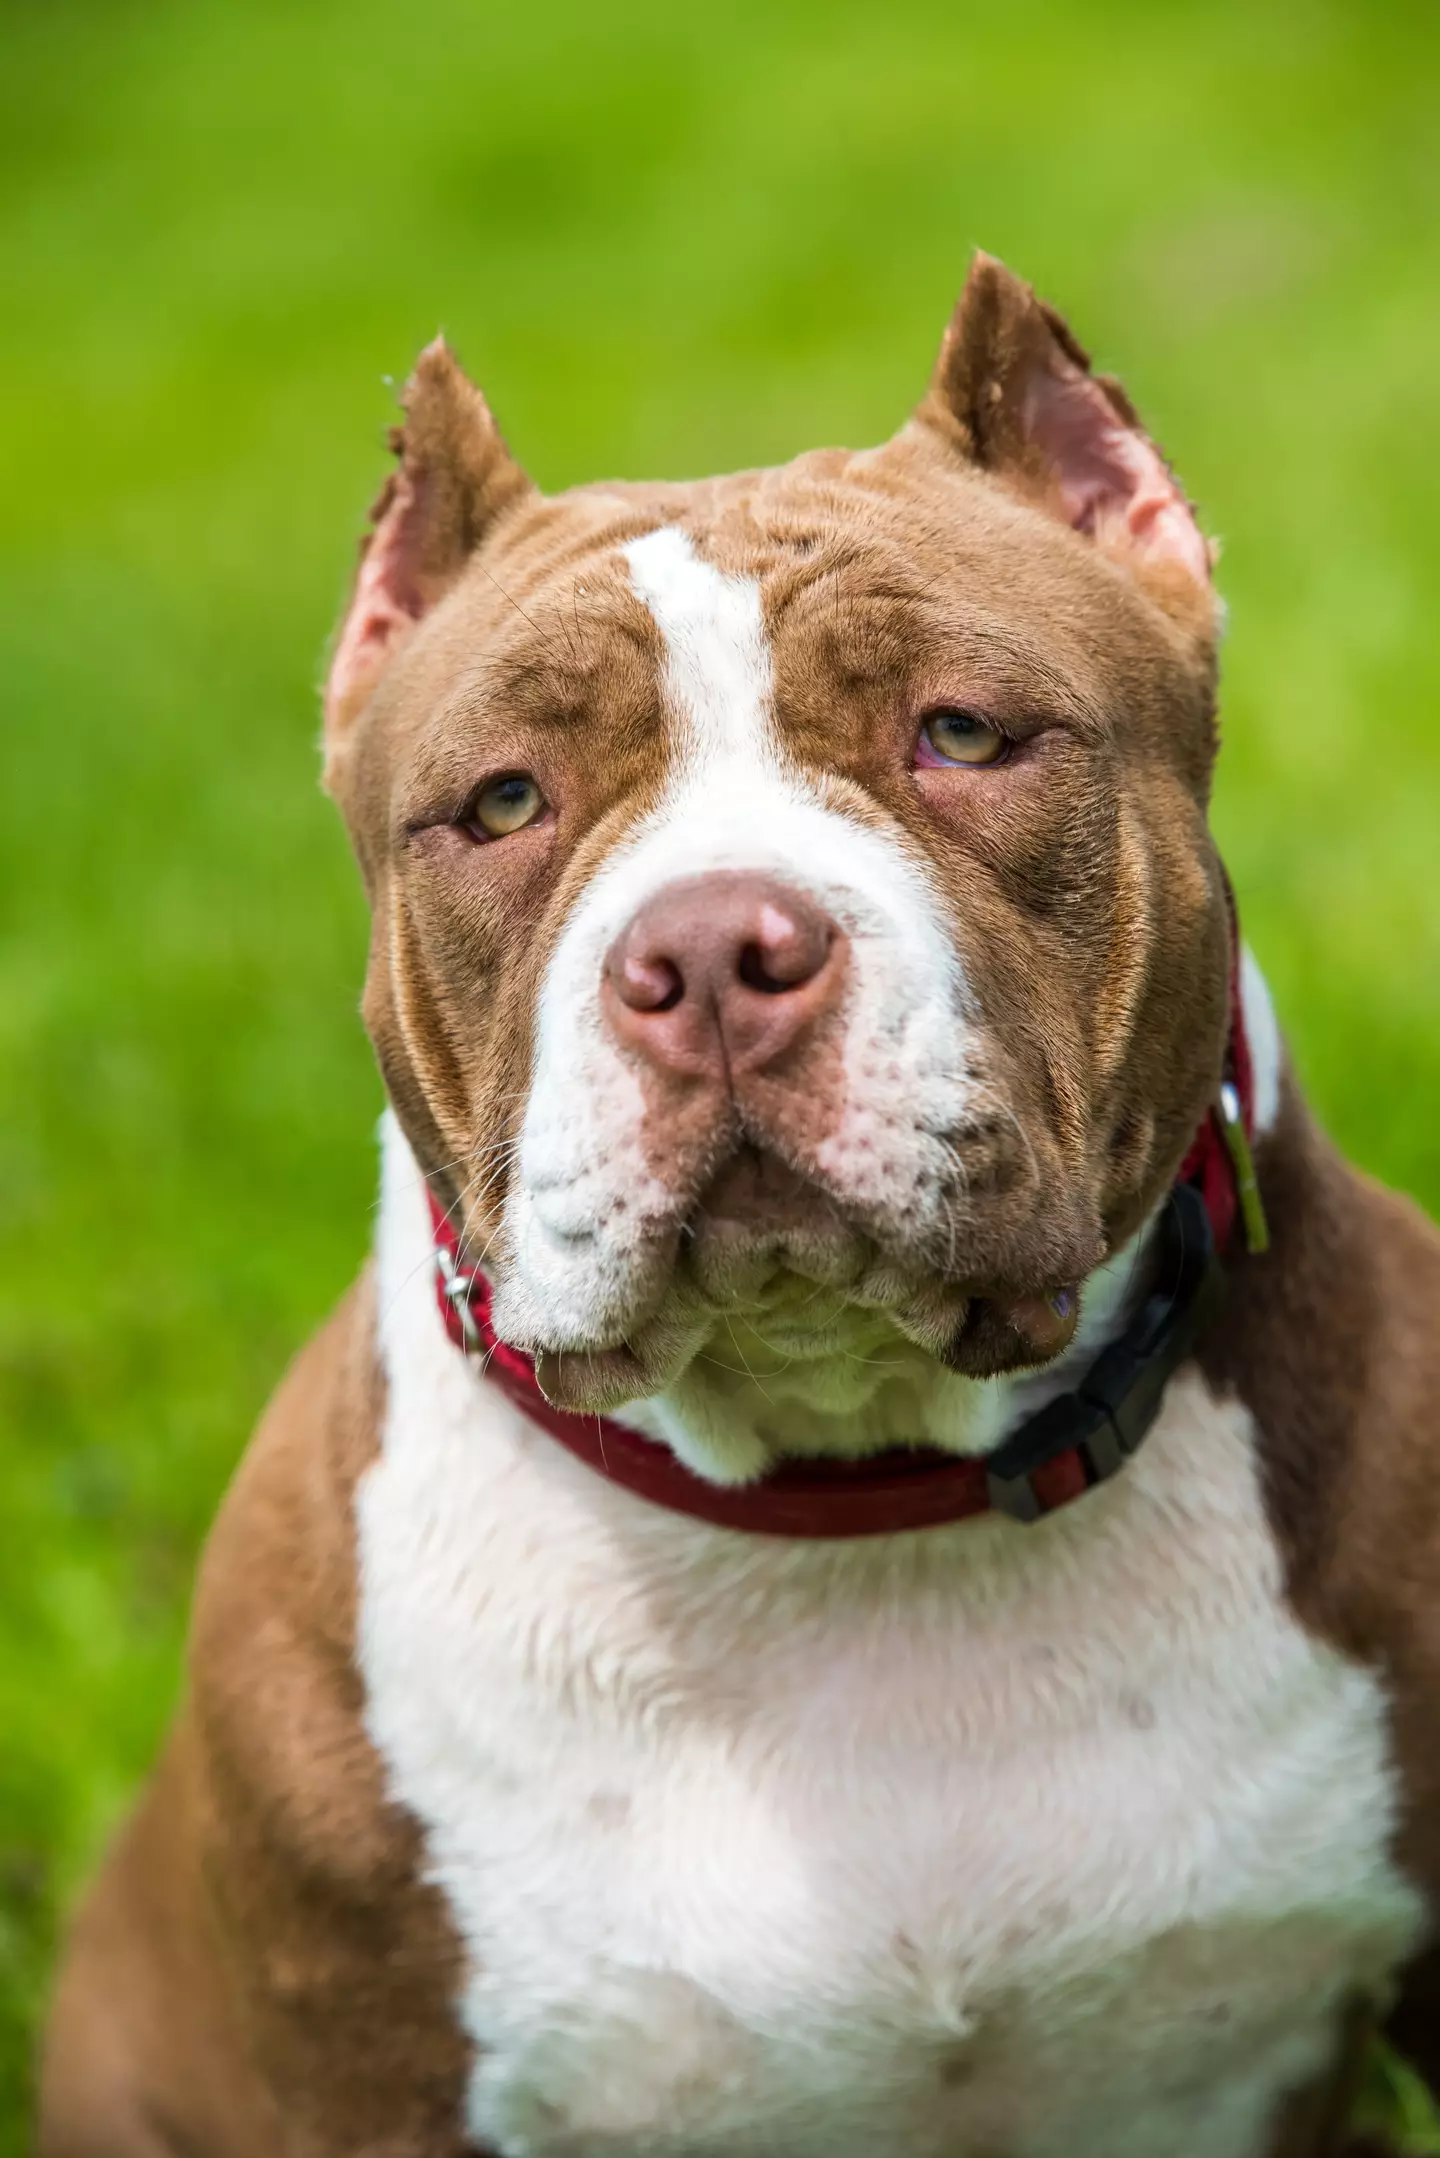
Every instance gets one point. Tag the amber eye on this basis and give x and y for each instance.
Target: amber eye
(504, 805)
(962, 738)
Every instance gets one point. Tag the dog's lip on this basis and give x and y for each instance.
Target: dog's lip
(1044, 1323)
(594, 1381)
(590, 1381)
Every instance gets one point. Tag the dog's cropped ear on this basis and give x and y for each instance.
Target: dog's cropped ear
(454, 478)
(1013, 391)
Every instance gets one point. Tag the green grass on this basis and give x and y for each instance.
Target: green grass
(667, 239)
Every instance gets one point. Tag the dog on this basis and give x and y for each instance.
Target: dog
(858, 1575)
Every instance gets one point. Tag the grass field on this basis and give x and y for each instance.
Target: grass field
(666, 240)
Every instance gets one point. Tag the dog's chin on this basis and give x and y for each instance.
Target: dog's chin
(774, 1273)
(808, 1306)
(798, 1327)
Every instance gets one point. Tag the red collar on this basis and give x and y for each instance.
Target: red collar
(1056, 1456)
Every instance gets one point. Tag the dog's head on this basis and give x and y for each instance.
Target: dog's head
(799, 954)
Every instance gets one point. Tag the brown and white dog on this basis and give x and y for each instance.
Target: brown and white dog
(801, 969)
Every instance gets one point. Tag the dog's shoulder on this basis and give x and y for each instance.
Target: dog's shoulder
(311, 1869)
(1332, 1340)
(1382, 1578)
(237, 1965)
(277, 1580)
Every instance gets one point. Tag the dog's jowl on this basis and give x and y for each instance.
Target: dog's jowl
(860, 1577)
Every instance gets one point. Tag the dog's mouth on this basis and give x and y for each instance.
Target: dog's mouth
(774, 1271)
(761, 1225)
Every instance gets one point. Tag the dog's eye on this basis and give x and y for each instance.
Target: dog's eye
(956, 737)
(504, 805)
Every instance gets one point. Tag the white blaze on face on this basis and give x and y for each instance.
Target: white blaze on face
(587, 1204)
(717, 661)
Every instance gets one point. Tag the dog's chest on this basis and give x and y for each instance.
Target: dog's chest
(1020, 1844)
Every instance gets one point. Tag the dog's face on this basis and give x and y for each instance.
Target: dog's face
(795, 918)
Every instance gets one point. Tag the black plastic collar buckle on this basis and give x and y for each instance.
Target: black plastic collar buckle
(1110, 1411)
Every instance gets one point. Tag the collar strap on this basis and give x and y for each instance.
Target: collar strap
(1076, 1441)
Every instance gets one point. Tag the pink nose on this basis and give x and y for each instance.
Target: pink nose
(722, 974)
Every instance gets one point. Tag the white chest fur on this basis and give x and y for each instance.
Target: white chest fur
(986, 1843)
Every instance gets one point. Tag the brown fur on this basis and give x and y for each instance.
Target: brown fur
(261, 1967)
(1332, 1341)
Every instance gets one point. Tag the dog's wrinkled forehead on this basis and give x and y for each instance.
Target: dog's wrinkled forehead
(808, 610)
(716, 672)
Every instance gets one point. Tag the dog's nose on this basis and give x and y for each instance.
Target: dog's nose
(721, 974)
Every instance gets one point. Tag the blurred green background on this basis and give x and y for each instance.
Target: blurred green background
(665, 239)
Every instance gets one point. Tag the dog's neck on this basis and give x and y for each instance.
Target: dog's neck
(814, 1375)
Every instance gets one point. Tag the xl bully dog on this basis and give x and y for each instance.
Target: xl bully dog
(860, 1575)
